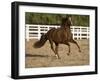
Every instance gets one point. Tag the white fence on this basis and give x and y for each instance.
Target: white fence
(35, 31)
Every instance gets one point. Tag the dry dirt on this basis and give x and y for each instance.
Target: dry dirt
(44, 56)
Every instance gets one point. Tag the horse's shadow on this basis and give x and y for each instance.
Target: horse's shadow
(37, 55)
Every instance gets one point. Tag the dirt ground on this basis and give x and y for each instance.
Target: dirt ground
(44, 56)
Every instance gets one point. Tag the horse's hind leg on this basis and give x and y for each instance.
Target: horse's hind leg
(73, 41)
(51, 43)
(56, 50)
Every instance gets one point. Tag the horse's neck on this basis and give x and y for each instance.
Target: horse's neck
(67, 28)
(62, 25)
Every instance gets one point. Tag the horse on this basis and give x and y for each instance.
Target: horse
(58, 36)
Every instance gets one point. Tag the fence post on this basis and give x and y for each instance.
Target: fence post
(39, 33)
(73, 31)
(87, 29)
(77, 31)
(48, 28)
(27, 32)
(80, 33)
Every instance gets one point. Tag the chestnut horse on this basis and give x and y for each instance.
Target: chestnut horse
(58, 36)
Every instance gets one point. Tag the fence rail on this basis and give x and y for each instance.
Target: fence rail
(35, 31)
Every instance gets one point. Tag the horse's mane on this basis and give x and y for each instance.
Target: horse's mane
(63, 22)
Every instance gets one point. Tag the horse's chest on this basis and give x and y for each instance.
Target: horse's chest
(67, 35)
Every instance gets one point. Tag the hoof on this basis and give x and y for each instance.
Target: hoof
(79, 50)
(68, 54)
(58, 57)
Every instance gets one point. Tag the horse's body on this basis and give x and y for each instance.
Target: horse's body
(58, 36)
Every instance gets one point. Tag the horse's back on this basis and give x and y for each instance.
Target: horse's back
(56, 35)
(50, 32)
(59, 35)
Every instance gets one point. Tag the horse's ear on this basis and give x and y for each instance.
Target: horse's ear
(70, 20)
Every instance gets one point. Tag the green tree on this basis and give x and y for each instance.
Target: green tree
(46, 18)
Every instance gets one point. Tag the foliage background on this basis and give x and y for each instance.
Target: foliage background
(55, 19)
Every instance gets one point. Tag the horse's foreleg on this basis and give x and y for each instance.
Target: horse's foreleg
(73, 41)
(56, 50)
(68, 48)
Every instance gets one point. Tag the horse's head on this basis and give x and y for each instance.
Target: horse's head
(66, 22)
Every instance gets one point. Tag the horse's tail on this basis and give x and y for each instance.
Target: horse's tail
(41, 42)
